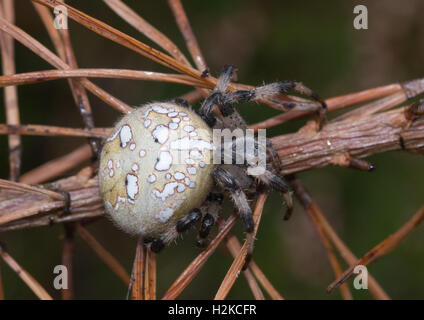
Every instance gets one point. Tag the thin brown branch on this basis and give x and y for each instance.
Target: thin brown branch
(192, 96)
(58, 166)
(307, 149)
(239, 261)
(344, 289)
(10, 93)
(49, 75)
(103, 254)
(310, 205)
(150, 276)
(144, 27)
(196, 265)
(67, 260)
(78, 91)
(266, 284)
(379, 105)
(53, 131)
(117, 36)
(35, 46)
(188, 34)
(382, 249)
(137, 277)
(63, 46)
(47, 19)
(332, 104)
(22, 187)
(234, 247)
(35, 287)
(23, 210)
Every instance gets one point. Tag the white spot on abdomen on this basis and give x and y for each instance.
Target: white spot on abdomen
(165, 161)
(160, 133)
(125, 135)
(132, 186)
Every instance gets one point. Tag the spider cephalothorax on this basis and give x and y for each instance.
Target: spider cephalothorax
(157, 173)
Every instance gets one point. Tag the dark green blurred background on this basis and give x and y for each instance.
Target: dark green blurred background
(311, 41)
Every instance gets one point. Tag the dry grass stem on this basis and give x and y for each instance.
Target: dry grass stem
(58, 166)
(335, 103)
(263, 280)
(309, 204)
(150, 276)
(23, 188)
(239, 261)
(49, 75)
(188, 34)
(137, 276)
(35, 287)
(383, 248)
(234, 247)
(141, 25)
(344, 289)
(35, 46)
(7, 12)
(40, 130)
(104, 255)
(117, 36)
(196, 265)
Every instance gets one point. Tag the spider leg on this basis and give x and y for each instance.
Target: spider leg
(212, 208)
(226, 181)
(225, 100)
(156, 245)
(189, 220)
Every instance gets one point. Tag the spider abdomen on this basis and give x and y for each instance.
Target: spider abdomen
(155, 168)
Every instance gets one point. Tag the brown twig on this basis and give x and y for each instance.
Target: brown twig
(360, 137)
(103, 254)
(35, 287)
(22, 187)
(117, 36)
(196, 265)
(192, 96)
(58, 166)
(332, 104)
(24, 210)
(49, 75)
(150, 276)
(234, 247)
(383, 248)
(35, 46)
(344, 289)
(266, 284)
(239, 261)
(10, 93)
(40, 130)
(137, 276)
(132, 18)
(309, 204)
(188, 34)
(78, 91)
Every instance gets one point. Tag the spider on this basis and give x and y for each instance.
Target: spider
(156, 173)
